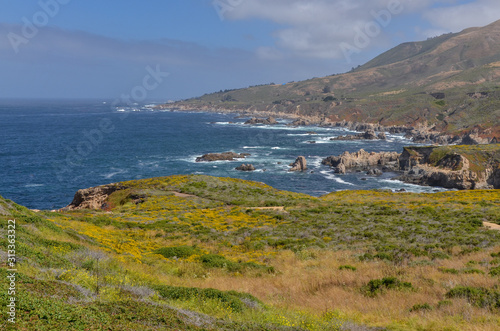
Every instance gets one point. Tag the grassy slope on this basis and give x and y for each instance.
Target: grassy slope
(394, 88)
(320, 261)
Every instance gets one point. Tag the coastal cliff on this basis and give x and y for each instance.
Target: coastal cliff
(461, 167)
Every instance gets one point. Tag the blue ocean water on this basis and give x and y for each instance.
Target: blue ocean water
(50, 149)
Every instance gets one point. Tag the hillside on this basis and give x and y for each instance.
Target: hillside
(449, 83)
(205, 253)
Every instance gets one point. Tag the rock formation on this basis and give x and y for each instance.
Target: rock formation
(246, 167)
(362, 160)
(93, 198)
(367, 135)
(450, 167)
(300, 164)
(227, 156)
(266, 121)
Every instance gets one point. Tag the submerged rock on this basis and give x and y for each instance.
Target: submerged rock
(265, 121)
(246, 167)
(227, 156)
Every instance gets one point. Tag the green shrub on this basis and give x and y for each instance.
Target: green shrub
(375, 286)
(444, 303)
(494, 271)
(472, 271)
(180, 252)
(449, 271)
(477, 296)
(347, 267)
(236, 300)
(383, 256)
(421, 307)
(215, 261)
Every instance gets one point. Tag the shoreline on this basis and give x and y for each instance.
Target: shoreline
(419, 134)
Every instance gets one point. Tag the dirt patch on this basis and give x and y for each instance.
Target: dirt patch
(183, 195)
(492, 226)
(270, 208)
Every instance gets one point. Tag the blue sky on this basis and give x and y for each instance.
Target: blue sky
(101, 49)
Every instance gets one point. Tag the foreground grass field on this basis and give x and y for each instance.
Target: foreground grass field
(205, 253)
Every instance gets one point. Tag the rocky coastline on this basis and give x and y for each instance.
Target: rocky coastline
(363, 161)
(418, 171)
(419, 133)
(454, 167)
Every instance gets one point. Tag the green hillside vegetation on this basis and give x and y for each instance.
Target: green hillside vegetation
(451, 82)
(229, 254)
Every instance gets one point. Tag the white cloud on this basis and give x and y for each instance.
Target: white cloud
(459, 17)
(317, 28)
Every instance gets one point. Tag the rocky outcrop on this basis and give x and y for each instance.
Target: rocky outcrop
(362, 160)
(93, 198)
(300, 164)
(368, 135)
(227, 156)
(246, 167)
(459, 167)
(265, 121)
(302, 122)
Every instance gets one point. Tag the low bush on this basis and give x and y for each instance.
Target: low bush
(236, 300)
(477, 296)
(180, 252)
(421, 307)
(376, 286)
(347, 267)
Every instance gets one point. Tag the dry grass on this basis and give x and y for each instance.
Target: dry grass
(317, 285)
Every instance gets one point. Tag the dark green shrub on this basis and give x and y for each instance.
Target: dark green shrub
(383, 256)
(472, 271)
(375, 286)
(477, 296)
(421, 307)
(494, 271)
(180, 252)
(444, 303)
(347, 267)
(366, 257)
(439, 255)
(449, 271)
(329, 98)
(232, 298)
(215, 261)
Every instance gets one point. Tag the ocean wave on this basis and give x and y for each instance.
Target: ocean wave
(114, 173)
(329, 175)
(413, 188)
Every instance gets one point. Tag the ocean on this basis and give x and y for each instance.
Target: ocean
(50, 149)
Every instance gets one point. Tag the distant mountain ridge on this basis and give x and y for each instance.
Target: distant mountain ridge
(449, 84)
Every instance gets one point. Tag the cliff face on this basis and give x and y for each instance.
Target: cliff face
(93, 198)
(460, 167)
(362, 160)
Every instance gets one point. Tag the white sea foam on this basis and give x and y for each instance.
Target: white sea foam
(397, 184)
(33, 185)
(114, 173)
(331, 176)
(315, 161)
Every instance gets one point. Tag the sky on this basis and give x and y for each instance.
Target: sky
(174, 49)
